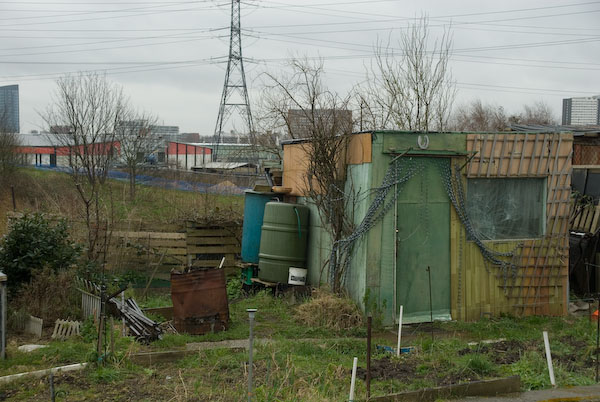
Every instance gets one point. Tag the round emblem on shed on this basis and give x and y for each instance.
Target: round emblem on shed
(423, 141)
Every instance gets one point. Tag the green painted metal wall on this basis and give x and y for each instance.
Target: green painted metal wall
(320, 244)
(380, 267)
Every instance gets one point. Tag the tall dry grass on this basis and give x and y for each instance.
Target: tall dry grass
(327, 310)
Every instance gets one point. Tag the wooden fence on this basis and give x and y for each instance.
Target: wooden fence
(90, 301)
(155, 250)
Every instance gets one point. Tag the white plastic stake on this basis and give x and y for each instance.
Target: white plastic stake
(351, 397)
(549, 359)
(399, 330)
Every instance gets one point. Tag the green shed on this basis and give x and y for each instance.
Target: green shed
(477, 221)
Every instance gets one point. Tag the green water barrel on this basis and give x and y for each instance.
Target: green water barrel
(283, 241)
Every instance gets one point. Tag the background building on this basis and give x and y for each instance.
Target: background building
(301, 123)
(9, 108)
(581, 111)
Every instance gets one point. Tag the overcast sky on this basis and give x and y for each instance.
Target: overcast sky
(170, 56)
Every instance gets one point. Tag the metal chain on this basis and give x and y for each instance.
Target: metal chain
(399, 172)
(456, 194)
(396, 175)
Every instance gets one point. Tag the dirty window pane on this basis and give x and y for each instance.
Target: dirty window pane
(507, 208)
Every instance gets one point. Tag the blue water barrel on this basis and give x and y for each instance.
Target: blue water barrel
(254, 210)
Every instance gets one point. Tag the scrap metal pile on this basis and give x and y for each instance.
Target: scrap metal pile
(140, 326)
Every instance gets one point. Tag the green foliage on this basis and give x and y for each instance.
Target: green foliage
(480, 364)
(152, 300)
(533, 371)
(372, 307)
(105, 374)
(234, 288)
(88, 330)
(35, 242)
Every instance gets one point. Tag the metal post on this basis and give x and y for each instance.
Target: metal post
(124, 330)
(369, 323)
(251, 312)
(52, 393)
(430, 302)
(597, 335)
(12, 192)
(3, 301)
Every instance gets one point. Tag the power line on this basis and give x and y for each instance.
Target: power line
(108, 17)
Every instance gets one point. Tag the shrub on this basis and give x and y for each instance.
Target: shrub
(35, 242)
(50, 295)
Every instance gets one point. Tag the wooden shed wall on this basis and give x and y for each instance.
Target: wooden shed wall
(295, 160)
(540, 283)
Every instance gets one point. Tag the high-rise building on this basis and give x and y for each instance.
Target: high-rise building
(9, 108)
(581, 111)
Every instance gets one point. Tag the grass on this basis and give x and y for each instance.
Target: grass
(55, 354)
(54, 192)
(313, 363)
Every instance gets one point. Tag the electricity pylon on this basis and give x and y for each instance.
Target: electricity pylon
(235, 92)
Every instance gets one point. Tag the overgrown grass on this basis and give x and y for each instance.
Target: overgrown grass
(54, 192)
(55, 354)
(303, 363)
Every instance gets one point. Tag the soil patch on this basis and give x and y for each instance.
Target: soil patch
(386, 369)
(503, 352)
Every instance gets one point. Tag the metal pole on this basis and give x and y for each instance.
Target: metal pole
(52, 393)
(123, 320)
(430, 302)
(369, 322)
(597, 335)
(251, 312)
(3, 301)
(12, 191)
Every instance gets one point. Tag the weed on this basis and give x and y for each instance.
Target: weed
(234, 288)
(105, 374)
(88, 330)
(480, 364)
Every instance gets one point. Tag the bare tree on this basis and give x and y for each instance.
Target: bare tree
(136, 141)
(537, 113)
(301, 104)
(477, 116)
(411, 87)
(88, 108)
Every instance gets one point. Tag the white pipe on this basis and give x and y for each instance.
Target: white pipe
(399, 330)
(351, 397)
(42, 373)
(549, 359)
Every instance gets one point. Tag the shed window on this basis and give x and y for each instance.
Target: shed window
(502, 208)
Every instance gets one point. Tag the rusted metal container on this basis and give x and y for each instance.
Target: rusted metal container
(200, 301)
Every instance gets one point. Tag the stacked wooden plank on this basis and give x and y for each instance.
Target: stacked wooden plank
(585, 217)
(208, 244)
(149, 249)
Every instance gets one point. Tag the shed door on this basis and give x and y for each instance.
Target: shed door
(423, 240)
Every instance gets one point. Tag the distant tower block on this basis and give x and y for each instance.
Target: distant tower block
(235, 92)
